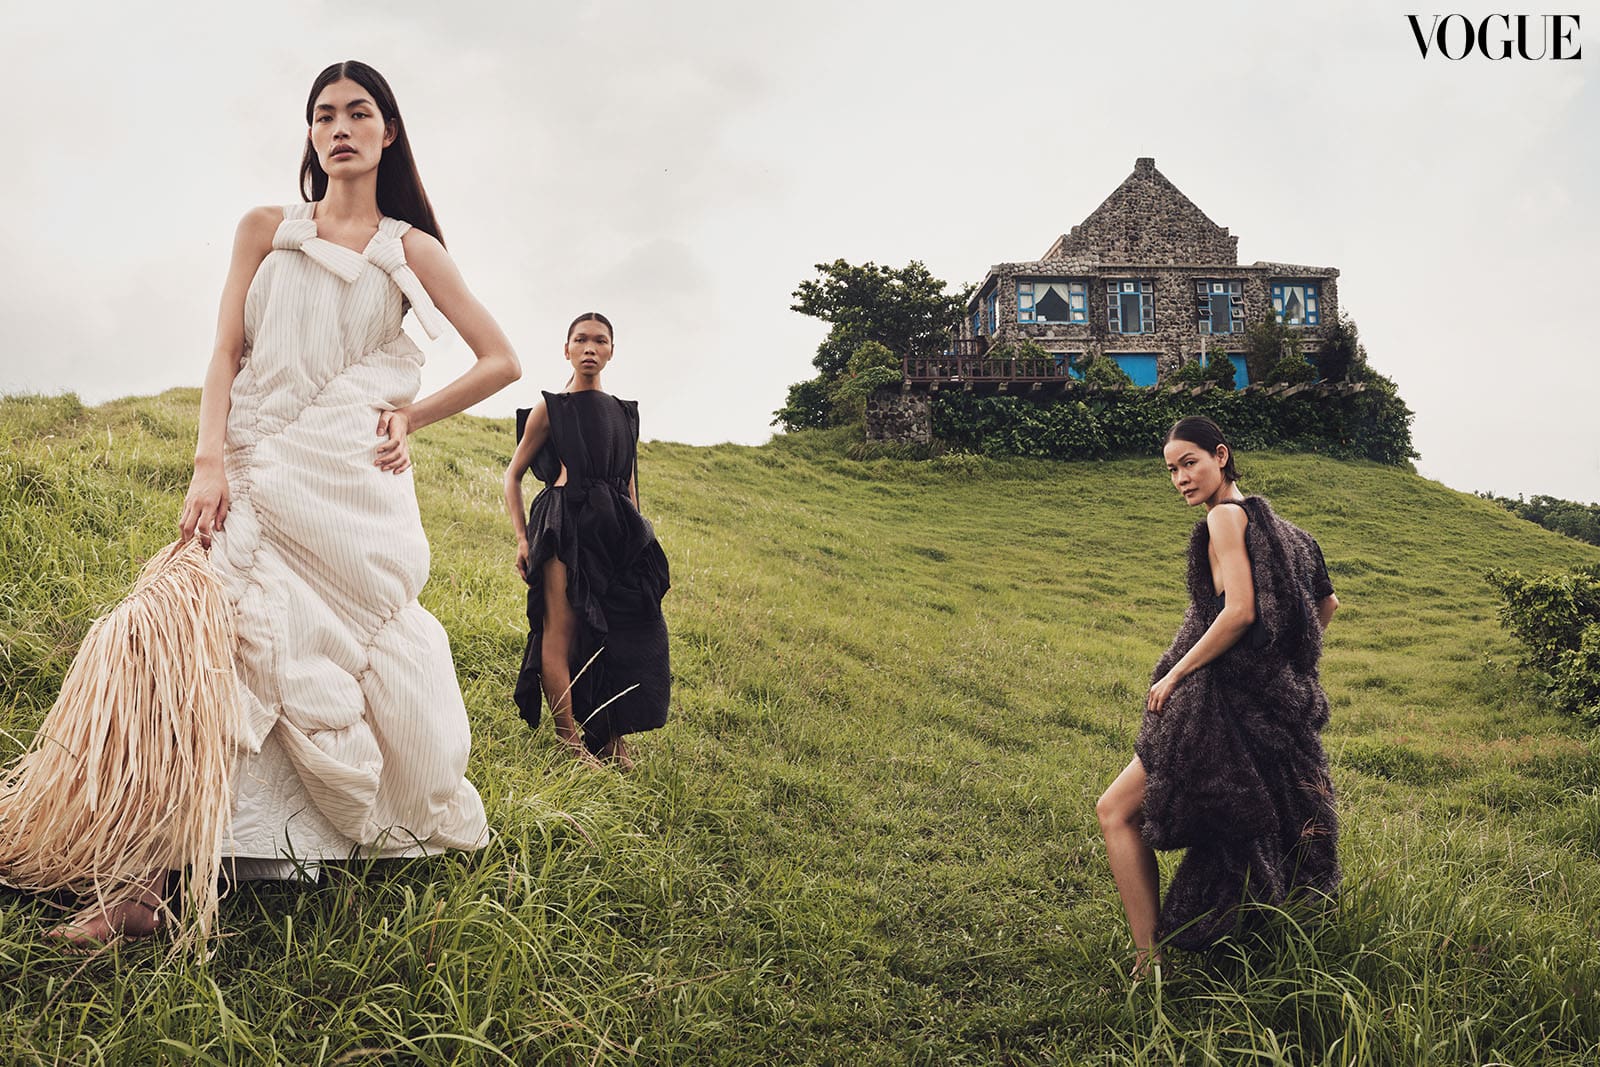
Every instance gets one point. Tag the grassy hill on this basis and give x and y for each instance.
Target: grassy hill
(868, 834)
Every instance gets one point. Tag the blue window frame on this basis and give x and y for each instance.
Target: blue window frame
(1130, 306)
(1053, 300)
(1296, 303)
(1219, 306)
(977, 322)
(991, 310)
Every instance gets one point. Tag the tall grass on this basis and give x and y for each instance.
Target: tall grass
(867, 834)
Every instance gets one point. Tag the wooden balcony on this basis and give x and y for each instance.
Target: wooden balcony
(959, 367)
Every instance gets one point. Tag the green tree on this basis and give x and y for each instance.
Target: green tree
(1263, 347)
(904, 309)
(870, 366)
(1342, 355)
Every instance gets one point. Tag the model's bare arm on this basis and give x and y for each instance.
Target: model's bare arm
(496, 365)
(1226, 526)
(534, 434)
(494, 368)
(1325, 609)
(205, 506)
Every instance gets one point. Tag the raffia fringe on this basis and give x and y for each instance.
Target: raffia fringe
(128, 775)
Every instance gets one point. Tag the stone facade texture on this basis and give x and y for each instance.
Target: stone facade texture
(1145, 231)
(900, 417)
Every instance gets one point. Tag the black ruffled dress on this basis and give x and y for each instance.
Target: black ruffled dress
(616, 570)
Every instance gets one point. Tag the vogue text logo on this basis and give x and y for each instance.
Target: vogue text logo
(1456, 36)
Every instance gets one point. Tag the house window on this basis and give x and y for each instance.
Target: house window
(1296, 303)
(1130, 306)
(1053, 301)
(977, 322)
(1219, 306)
(991, 311)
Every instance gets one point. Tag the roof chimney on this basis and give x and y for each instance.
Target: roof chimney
(1144, 165)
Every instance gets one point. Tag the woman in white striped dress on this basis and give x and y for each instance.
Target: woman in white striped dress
(355, 738)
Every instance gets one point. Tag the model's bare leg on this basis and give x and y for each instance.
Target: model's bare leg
(616, 752)
(555, 671)
(1133, 863)
(96, 925)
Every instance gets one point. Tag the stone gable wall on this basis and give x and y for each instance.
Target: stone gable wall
(1147, 220)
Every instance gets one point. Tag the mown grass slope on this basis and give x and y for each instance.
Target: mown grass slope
(867, 834)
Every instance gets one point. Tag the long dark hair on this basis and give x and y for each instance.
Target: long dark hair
(1202, 432)
(400, 192)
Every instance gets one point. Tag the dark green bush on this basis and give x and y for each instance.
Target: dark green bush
(871, 365)
(1106, 373)
(1218, 369)
(1191, 373)
(1557, 619)
(1374, 424)
(1292, 369)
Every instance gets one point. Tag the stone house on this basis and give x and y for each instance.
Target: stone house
(1148, 280)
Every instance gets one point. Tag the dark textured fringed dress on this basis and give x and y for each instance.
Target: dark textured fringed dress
(616, 570)
(1236, 769)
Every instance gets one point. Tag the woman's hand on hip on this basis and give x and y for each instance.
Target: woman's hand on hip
(205, 506)
(394, 454)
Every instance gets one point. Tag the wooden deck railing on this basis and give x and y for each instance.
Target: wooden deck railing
(965, 368)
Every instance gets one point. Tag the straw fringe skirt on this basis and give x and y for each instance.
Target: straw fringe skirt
(129, 774)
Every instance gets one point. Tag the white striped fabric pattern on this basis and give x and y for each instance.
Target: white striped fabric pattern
(356, 737)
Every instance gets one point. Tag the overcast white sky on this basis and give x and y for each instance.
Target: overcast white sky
(682, 166)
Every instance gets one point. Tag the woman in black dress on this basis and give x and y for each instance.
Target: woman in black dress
(597, 644)
(1229, 761)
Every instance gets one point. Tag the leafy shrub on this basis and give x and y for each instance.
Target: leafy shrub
(1106, 373)
(1218, 369)
(1292, 369)
(1557, 619)
(1374, 424)
(871, 365)
(1028, 348)
(1190, 373)
(1263, 347)
(807, 406)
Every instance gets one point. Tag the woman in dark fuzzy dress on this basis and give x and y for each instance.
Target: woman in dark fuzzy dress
(1229, 761)
(597, 644)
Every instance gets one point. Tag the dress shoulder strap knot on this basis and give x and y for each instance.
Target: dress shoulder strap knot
(388, 253)
(298, 232)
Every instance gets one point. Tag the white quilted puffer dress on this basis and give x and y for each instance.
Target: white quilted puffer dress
(356, 736)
